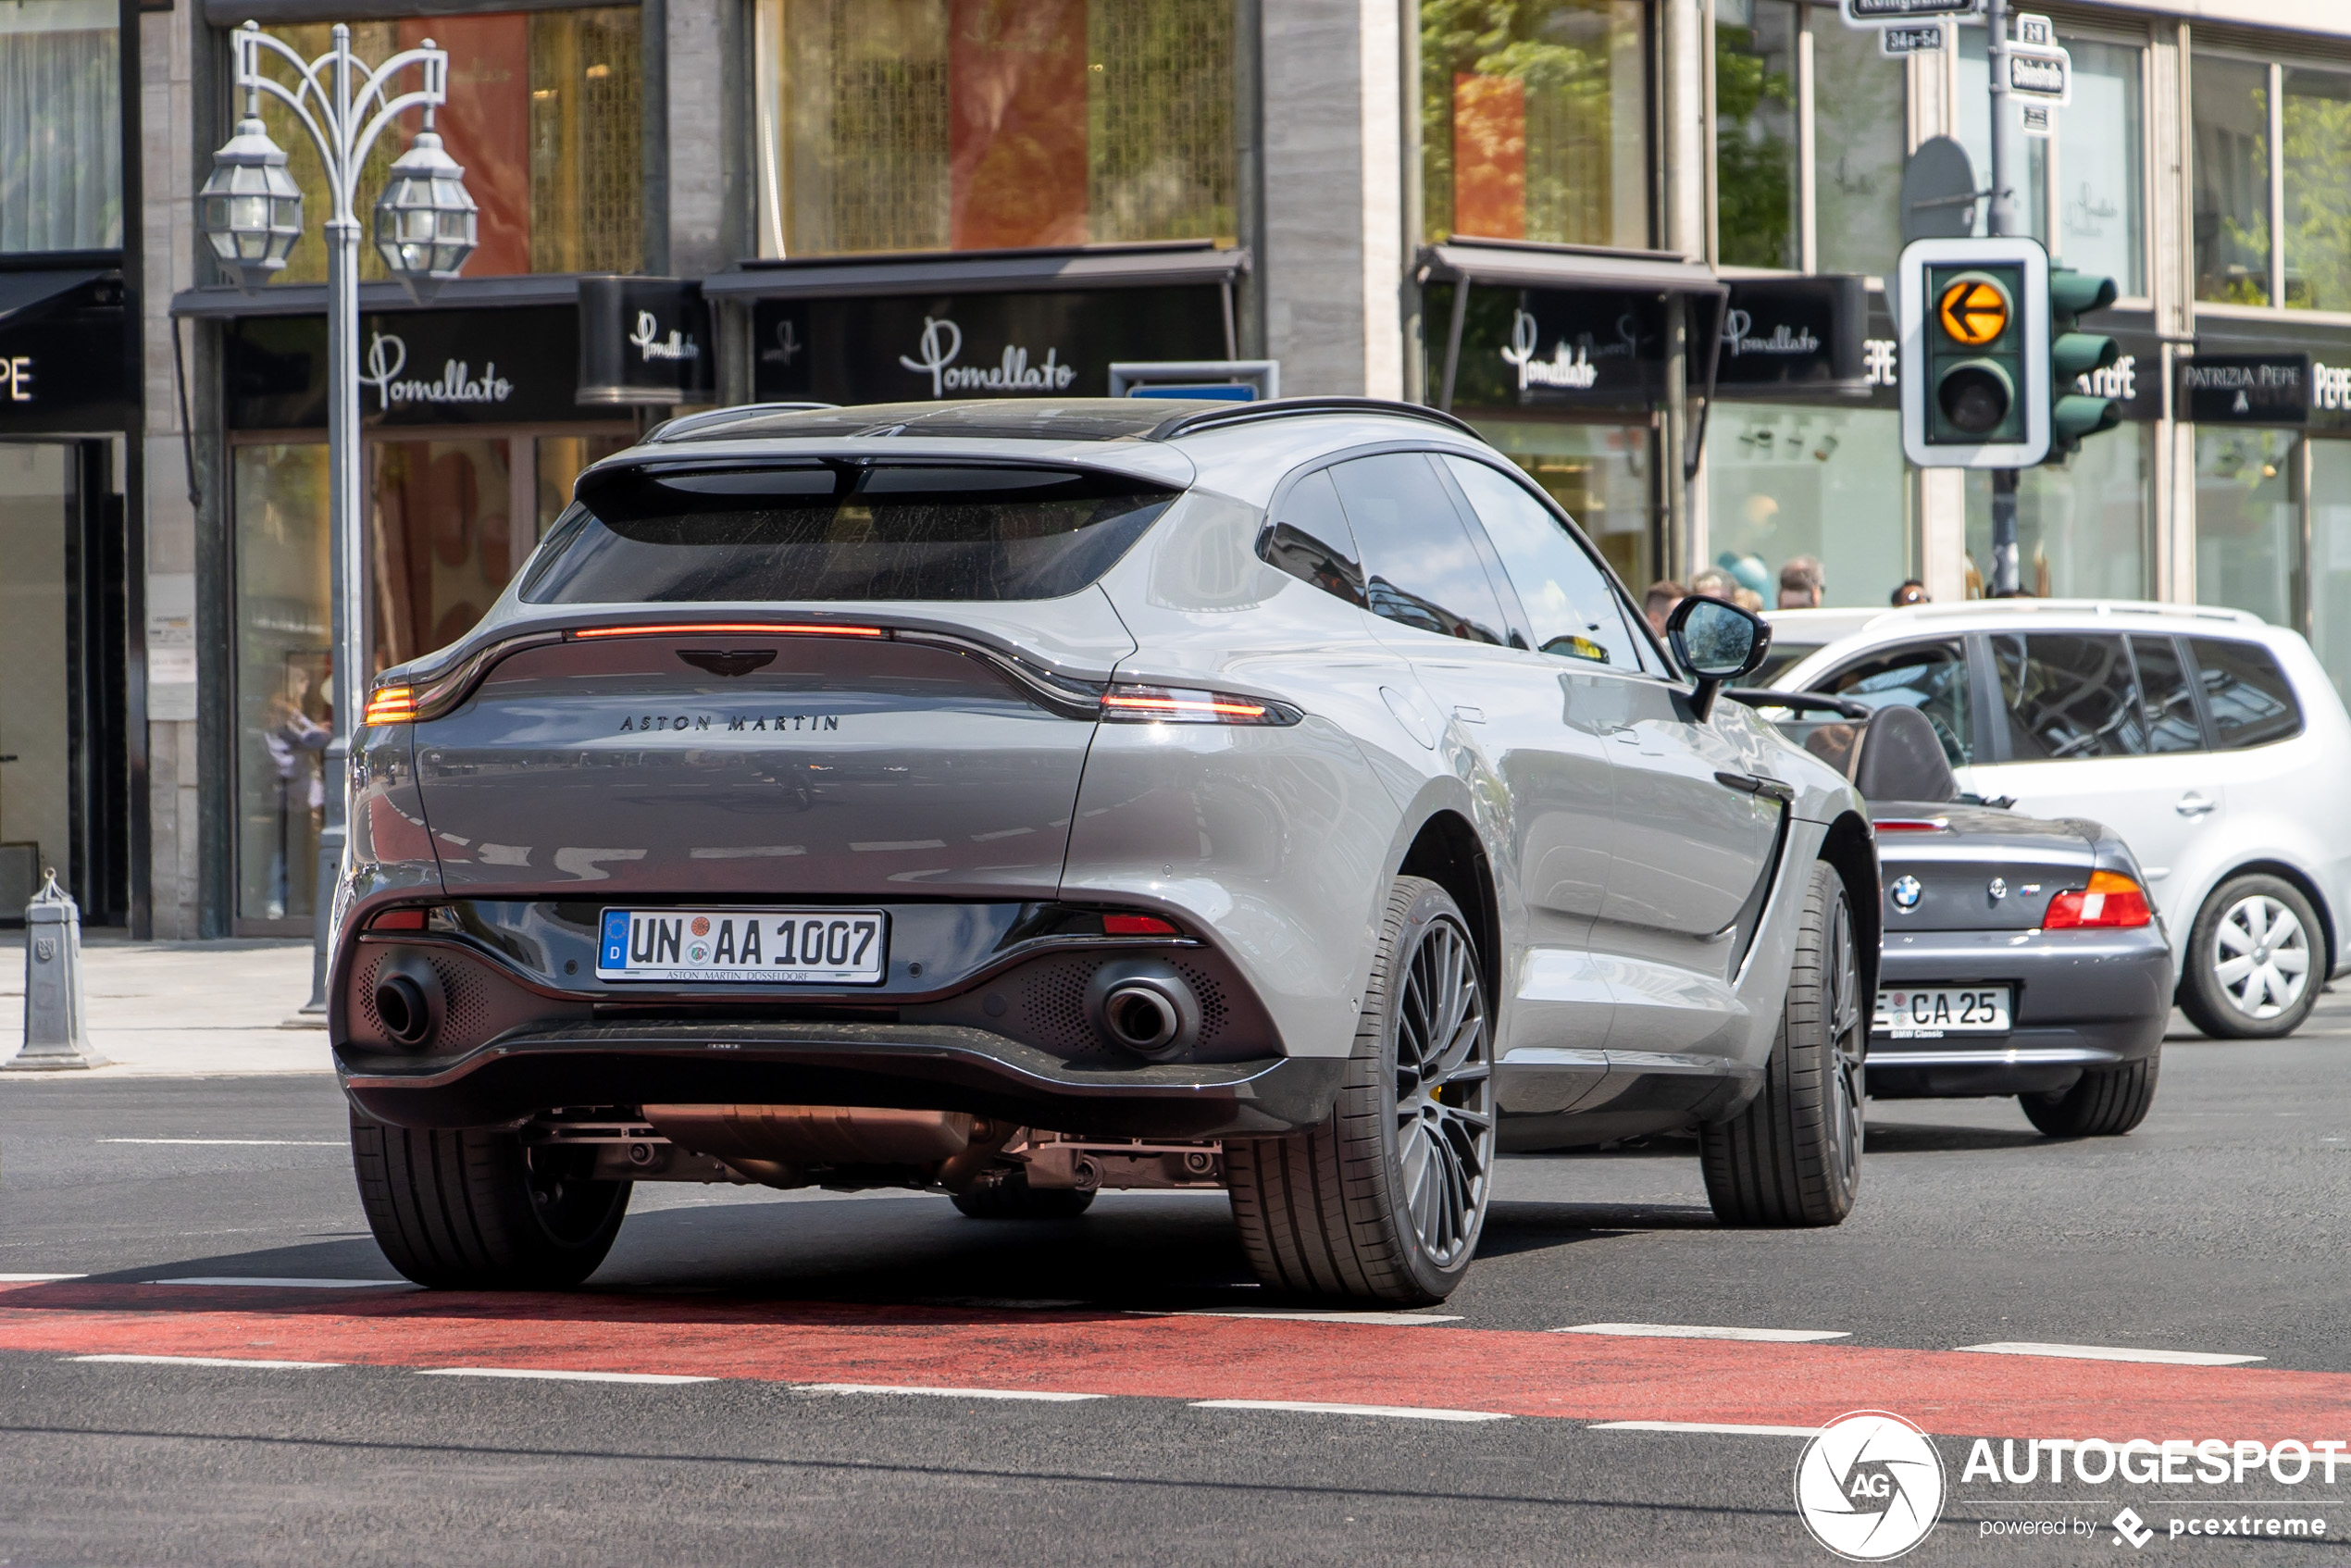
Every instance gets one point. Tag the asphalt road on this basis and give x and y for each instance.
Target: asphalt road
(2217, 1228)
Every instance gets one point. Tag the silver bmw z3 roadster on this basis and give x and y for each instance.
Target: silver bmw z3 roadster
(1022, 799)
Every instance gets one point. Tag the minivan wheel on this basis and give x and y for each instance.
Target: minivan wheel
(2106, 1103)
(473, 1209)
(1386, 1201)
(2253, 958)
(1793, 1156)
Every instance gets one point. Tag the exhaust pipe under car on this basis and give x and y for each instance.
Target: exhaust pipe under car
(1145, 1007)
(407, 997)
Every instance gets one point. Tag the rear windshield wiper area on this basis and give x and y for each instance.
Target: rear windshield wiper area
(838, 530)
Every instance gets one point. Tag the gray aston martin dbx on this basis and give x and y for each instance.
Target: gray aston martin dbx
(1021, 798)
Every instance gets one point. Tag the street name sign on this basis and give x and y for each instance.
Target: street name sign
(1890, 13)
(1910, 38)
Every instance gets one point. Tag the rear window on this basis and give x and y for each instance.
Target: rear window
(839, 531)
(2246, 692)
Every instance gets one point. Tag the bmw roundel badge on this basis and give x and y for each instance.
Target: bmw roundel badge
(1905, 892)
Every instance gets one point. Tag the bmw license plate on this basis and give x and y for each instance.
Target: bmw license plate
(792, 947)
(1932, 1012)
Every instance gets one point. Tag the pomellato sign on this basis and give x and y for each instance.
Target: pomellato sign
(415, 368)
(387, 356)
(942, 340)
(642, 342)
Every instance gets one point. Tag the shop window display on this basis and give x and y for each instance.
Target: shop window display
(1790, 482)
(2248, 521)
(910, 125)
(2080, 525)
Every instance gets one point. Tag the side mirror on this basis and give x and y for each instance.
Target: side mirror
(1716, 642)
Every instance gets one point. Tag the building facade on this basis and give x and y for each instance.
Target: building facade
(1642, 245)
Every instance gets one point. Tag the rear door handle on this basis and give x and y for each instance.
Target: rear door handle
(2194, 804)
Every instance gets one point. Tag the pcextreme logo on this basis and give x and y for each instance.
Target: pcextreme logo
(1870, 1487)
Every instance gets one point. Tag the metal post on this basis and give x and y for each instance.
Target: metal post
(2000, 218)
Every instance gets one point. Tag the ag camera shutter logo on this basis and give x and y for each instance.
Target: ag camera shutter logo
(1869, 1486)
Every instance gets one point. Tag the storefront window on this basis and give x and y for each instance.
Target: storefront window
(2098, 185)
(1535, 120)
(36, 790)
(2330, 559)
(2232, 156)
(897, 125)
(1755, 190)
(545, 113)
(60, 126)
(2081, 528)
(2317, 149)
(284, 660)
(2248, 521)
(1785, 482)
(1600, 473)
(1859, 126)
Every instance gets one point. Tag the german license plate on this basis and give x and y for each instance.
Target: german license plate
(791, 946)
(1932, 1012)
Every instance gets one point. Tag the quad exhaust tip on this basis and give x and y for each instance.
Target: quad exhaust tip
(1144, 1007)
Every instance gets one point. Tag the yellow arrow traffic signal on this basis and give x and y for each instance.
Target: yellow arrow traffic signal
(1973, 311)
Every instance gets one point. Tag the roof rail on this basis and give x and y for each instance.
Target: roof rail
(694, 424)
(1220, 414)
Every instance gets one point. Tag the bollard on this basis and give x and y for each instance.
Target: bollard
(56, 1031)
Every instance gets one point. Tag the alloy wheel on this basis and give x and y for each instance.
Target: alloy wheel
(1444, 1111)
(1848, 1041)
(2261, 956)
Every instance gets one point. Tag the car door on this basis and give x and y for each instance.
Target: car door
(1524, 727)
(2098, 725)
(1686, 850)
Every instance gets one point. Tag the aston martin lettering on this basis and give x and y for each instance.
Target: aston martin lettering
(748, 723)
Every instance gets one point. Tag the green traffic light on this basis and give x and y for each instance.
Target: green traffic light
(2078, 353)
(2074, 415)
(2072, 292)
(2072, 355)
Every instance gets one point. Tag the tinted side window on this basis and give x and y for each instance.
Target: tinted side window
(2170, 723)
(2069, 695)
(1930, 677)
(1419, 566)
(1311, 540)
(2246, 692)
(1570, 605)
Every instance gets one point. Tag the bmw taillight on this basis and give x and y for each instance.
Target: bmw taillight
(2111, 900)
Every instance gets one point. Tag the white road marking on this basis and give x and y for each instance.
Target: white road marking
(1699, 1331)
(1048, 1396)
(1317, 1406)
(2110, 1352)
(208, 1361)
(37, 1279)
(552, 1376)
(1307, 1314)
(243, 1142)
(1724, 1428)
(287, 1284)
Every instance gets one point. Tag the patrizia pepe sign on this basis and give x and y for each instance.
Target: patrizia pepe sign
(943, 342)
(387, 356)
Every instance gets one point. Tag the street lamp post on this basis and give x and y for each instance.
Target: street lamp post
(251, 211)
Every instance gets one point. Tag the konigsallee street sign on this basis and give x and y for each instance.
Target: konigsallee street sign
(1889, 13)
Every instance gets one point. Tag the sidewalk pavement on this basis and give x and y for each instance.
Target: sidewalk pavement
(179, 1009)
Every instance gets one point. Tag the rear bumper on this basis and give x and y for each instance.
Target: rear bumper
(903, 1066)
(2083, 1000)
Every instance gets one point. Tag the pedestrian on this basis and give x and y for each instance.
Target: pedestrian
(1663, 594)
(1748, 599)
(1913, 592)
(1802, 583)
(1713, 583)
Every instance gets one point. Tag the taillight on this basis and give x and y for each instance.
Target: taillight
(2111, 900)
(409, 919)
(705, 629)
(1175, 704)
(1137, 925)
(390, 704)
(1913, 824)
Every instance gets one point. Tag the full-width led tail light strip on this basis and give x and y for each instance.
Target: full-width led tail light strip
(1171, 704)
(748, 628)
(390, 704)
(2111, 901)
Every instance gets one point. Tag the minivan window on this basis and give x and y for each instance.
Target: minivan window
(1423, 568)
(839, 531)
(2246, 692)
(1930, 677)
(1568, 604)
(2069, 695)
(2169, 703)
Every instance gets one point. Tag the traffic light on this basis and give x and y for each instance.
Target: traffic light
(1975, 353)
(2074, 414)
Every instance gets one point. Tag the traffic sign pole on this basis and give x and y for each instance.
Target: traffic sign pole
(2000, 219)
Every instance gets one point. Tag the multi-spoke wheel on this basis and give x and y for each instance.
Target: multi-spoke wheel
(1793, 1155)
(2253, 960)
(1385, 1201)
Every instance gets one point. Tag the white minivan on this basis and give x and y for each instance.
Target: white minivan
(2214, 743)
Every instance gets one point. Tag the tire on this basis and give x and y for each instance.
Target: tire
(467, 1209)
(2106, 1103)
(1011, 1197)
(1793, 1155)
(1385, 1201)
(2242, 981)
